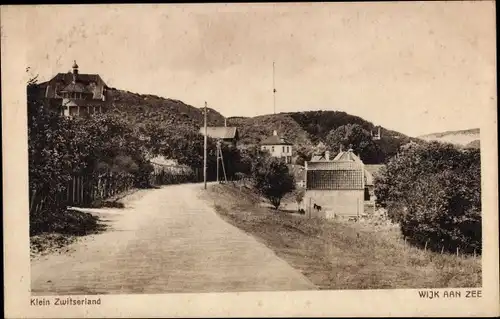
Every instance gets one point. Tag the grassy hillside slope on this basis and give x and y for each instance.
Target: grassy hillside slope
(145, 108)
(302, 129)
(309, 128)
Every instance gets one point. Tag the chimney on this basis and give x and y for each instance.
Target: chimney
(327, 155)
(340, 148)
(275, 133)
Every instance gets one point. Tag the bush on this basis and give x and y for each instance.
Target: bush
(272, 179)
(434, 192)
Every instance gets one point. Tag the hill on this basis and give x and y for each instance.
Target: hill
(306, 129)
(474, 144)
(254, 129)
(460, 138)
(141, 109)
(303, 129)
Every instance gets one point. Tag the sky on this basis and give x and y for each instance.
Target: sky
(416, 68)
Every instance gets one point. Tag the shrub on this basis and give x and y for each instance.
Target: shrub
(434, 192)
(353, 135)
(272, 179)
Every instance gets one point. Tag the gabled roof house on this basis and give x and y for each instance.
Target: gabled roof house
(339, 185)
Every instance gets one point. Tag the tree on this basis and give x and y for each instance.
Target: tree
(272, 179)
(355, 137)
(433, 191)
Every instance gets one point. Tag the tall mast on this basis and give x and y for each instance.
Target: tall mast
(205, 150)
(274, 92)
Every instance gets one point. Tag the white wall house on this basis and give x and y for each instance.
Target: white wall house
(278, 147)
(337, 185)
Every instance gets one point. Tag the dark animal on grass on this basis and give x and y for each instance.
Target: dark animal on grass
(317, 207)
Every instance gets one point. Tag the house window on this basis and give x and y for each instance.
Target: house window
(272, 148)
(283, 149)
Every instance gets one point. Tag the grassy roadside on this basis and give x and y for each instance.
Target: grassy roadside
(340, 255)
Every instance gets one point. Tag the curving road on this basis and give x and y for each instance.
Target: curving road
(166, 240)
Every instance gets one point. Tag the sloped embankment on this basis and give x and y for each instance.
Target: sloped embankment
(339, 255)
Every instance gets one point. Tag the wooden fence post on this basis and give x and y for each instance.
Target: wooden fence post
(81, 190)
(73, 190)
(33, 196)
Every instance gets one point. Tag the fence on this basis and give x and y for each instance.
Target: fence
(82, 191)
(175, 174)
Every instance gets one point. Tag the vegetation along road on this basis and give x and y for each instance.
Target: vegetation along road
(165, 240)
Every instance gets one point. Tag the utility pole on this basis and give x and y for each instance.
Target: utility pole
(205, 150)
(274, 92)
(218, 154)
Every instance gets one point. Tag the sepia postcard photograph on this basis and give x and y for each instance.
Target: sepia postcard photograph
(250, 159)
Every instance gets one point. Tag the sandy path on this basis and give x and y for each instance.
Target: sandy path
(166, 240)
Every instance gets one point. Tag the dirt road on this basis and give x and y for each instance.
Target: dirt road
(165, 240)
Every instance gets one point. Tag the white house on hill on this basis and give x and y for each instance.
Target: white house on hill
(278, 147)
(75, 94)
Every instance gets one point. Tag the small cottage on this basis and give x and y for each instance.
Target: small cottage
(278, 147)
(338, 186)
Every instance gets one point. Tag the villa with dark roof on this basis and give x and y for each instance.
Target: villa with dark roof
(278, 147)
(74, 94)
(341, 186)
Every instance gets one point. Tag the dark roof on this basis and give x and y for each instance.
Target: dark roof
(76, 87)
(335, 179)
(221, 132)
(274, 140)
(345, 171)
(334, 166)
(67, 78)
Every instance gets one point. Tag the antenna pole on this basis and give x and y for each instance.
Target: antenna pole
(205, 150)
(274, 92)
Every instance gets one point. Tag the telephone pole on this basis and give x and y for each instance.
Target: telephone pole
(205, 150)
